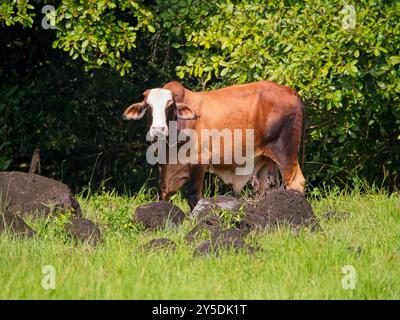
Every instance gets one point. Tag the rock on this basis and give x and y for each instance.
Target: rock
(30, 194)
(223, 239)
(154, 215)
(84, 230)
(204, 248)
(227, 234)
(15, 225)
(357, 250)
(335, 215)
(161, 243)
(281, 206)
(206, 207)
(253, 221)
(210, 225)
(229, 243)
(236, 244)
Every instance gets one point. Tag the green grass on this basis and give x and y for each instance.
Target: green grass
(306, 265)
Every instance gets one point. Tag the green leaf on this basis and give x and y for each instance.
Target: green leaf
(151, 28)
(224, 72)
(394, 60)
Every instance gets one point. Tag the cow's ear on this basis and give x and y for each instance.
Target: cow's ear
(135, 112)
(184, 112)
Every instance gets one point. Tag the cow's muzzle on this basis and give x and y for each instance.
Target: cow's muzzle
(159, 132)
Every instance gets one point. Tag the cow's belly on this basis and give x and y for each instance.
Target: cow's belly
(230, 177)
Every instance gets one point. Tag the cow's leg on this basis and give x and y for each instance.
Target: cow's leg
(284, 151)
(289, 168)
(163, 194)
(195, 185)
(292, 176)
(266, 178)
(285, 156)
(269, 175)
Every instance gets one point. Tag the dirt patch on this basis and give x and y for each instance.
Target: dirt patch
(84, 230)
(161, 243)
(28, 194)
(206, 207)
(15, 225)
(156, 214)
(278, 207)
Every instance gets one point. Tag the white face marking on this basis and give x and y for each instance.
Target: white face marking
(158, 100)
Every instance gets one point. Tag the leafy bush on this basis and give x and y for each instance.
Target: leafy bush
(348, 78)
(347, 74)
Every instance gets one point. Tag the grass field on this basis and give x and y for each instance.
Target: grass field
(306, 265)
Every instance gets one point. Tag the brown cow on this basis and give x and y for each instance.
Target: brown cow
(274, 112)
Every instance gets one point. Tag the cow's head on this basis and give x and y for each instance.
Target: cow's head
(162, 107)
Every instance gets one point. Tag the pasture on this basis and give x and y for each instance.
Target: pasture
(365, 234)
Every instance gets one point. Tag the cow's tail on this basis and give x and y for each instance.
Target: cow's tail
(303, 135)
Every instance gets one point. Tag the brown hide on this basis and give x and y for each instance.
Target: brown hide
(274, 111)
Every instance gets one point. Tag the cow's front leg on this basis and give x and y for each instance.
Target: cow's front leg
(195, 186)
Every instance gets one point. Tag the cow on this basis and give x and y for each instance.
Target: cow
(274, 112)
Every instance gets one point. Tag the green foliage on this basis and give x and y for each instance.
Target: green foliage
(47, 100)
(301, 265)
(100, 32)
(348, 78)
(16, 12)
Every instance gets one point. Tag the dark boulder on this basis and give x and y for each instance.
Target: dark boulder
(83, 230)
(210, 226)
(335, 215)
(235, 244)
(161, 243)
(15, 225)
(30, 194)
(233, 239)
(279, 207)
(156, 214)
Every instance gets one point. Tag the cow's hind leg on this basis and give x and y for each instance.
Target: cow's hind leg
(284, 152)
(266, 178)
(290, 170)
(195, 185)
(293, 177)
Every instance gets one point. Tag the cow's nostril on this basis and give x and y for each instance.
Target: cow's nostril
(163, 130)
